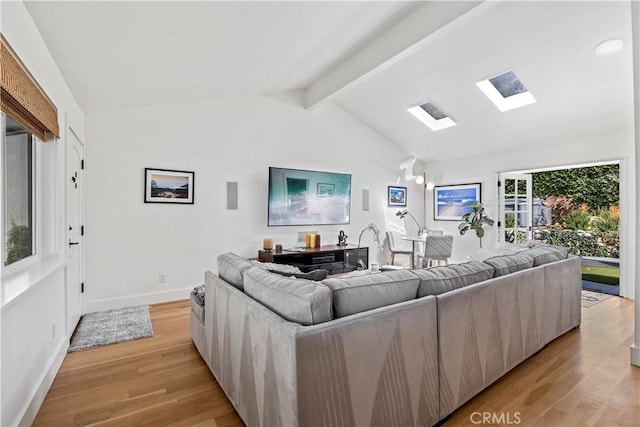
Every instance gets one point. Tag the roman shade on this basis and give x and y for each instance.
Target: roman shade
(22, 99)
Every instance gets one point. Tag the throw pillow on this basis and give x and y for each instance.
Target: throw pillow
(315, 275)
(284, 268)
(198, 294)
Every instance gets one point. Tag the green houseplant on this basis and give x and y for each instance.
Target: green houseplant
(475, 220)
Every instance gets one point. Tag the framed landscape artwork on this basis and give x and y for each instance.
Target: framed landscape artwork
(397, 196)
(168, 186)
(450, 202)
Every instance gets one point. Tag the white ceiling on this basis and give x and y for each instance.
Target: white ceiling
(132, 53)
(364, 56)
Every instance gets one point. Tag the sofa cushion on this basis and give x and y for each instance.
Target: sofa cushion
(231, 267)
(297, 300)
(438, 280)
(501, 249)
(315, 275)
(361, 293)
(544, 254)
(481, 254)
(506, 264)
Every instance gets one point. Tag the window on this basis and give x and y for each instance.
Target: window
(18, 207)
(432, 116)
(27, 114)
(506, 91)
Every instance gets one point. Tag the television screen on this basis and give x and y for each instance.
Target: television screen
(302, 197)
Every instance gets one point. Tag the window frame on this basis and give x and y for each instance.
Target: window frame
(26, 262)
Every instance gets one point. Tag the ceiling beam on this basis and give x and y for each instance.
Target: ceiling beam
(397, 43)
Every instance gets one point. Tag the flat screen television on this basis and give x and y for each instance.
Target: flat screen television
(304, 197)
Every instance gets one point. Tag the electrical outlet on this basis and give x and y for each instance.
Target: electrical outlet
(53, 330)
(161, 278)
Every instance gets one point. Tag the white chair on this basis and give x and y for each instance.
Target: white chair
(398, 246)
(437, 247)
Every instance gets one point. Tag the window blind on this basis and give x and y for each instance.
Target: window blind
(22, 99)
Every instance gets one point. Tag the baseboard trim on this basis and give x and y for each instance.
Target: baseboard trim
(33, 405)
(635, 355)
(152, 298)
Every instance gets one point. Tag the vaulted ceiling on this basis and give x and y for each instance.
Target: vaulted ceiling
(373, 59)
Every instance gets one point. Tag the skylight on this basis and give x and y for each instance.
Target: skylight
(506, 91)
(431, 116)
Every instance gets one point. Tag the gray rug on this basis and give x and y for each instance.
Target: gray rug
(589, 299)
(109, 327)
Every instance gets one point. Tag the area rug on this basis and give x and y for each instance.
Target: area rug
(589, 299)
(110, 327)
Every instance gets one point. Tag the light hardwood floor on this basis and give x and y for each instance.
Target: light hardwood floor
(581, 379)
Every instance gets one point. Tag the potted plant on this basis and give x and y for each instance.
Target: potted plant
(403, 212)
(475, 220)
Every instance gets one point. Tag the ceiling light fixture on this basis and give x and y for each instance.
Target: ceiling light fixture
(407, 168)
(609, 47)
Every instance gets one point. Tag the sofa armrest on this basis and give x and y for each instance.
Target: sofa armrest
(252, 354)
(562, 297)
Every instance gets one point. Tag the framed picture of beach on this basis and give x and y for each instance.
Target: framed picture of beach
(168, 186)
(450, 202)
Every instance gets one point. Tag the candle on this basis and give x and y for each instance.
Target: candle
(268, 244)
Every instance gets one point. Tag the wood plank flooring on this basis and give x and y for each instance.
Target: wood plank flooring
(156, 381)
(581, 379)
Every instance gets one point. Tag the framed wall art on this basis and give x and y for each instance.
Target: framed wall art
(450, 202)
(397, 196)
(168, 186)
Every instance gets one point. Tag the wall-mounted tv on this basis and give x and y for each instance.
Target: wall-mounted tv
(304, 197)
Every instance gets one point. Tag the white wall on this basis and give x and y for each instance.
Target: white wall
(129, 243)
(31, 349)
(485, 168)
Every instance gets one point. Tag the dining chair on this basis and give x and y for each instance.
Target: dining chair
(398, 246)
(437, 247)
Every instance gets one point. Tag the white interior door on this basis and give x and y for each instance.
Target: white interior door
(75, 230)
(516, 207)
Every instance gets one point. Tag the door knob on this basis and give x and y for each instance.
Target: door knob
(73, 243)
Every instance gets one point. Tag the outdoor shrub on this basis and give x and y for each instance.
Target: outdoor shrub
(577, 220)
(615, 212)
(559, 206)
(605, 223)
(18, 243)
(598, 186)
(581, 243)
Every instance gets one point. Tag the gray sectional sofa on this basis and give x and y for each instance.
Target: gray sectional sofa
(393, 348)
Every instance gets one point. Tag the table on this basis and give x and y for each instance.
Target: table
(414, 241)
(336, 259)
